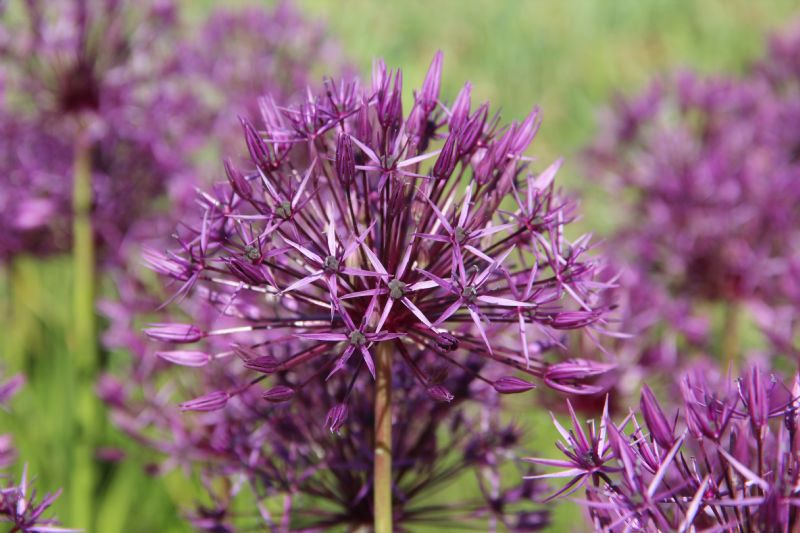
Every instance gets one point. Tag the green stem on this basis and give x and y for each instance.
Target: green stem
(730, 337)
(83, 474)
(383, 439)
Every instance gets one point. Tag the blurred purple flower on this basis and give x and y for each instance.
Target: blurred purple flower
(149, 93)
(707, 161)
(707, 168)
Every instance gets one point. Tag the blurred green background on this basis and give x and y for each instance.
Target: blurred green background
(568, 56)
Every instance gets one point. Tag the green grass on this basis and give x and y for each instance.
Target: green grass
(569, 57)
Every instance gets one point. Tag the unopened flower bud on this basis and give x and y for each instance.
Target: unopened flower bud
(448, 158)
(278, 393)
(336, 418)
(185, 357)
(440, 393)
(512, 385)
(213, 401)
(259, 152)
(174, 333)
(345, 160)
(237, 181)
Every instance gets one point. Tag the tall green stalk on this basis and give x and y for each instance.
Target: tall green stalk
(83, 472)
(730, 344)
(383, 439)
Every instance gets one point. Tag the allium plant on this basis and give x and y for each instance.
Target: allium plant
(19, 510)
(359, 236)
(726, 461)
(352, 233)
(308, 471)
(85, 80)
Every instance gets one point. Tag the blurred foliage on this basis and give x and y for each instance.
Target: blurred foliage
(569, 57)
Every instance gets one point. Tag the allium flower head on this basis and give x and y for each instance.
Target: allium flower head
(710, 164)
(91, 72)
(356, 226)
(726, 461)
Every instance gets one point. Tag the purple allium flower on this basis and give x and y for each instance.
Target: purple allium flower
(710, 168)
(356, 226)
(319, 467)
(82, 71)
(727, 461)
(707, 163)
(139, 87)
(19, 509)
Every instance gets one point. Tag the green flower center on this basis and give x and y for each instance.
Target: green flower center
(397, 289)
(284, 210)
(251, 252)
(331, 264)
(460, 235)
(357, 338)
(470, 293)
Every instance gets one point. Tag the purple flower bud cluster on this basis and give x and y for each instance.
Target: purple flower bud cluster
(294, 453)
(355, 227)
(726, 461)
(144, 92)
(19, 508)
(711, 167)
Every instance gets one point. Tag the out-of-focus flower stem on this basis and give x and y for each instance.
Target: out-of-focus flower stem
(85, 349)
(730, 336)
(383, 438)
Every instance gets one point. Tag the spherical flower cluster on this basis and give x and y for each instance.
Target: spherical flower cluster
(127, 82)
(359, 229)
(82, 72)
(727, 461)
(710, 165)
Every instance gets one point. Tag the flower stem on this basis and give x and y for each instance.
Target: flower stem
(383, 439)
(730, 337)
(85, 355)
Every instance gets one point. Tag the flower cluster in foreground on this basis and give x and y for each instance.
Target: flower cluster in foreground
(727, 461)
(357, 228)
